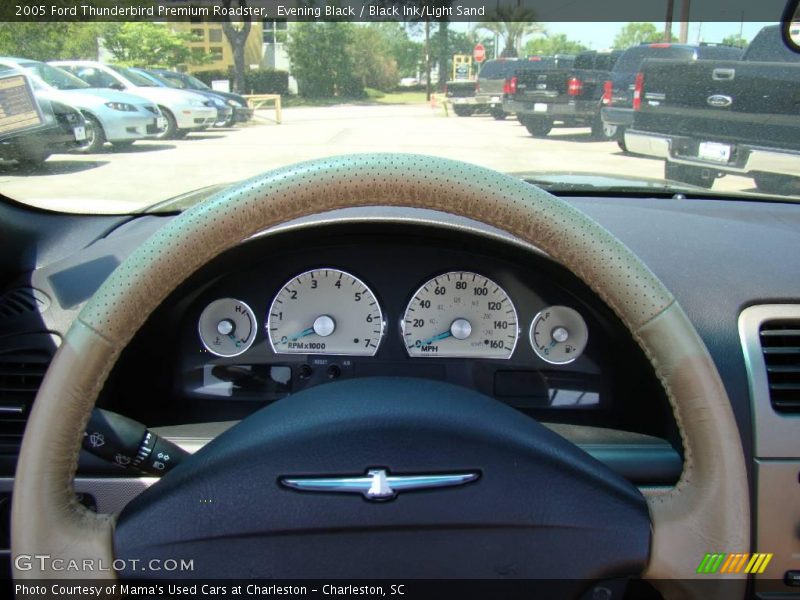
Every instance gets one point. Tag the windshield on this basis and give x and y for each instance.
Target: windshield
(55, 77)
(640, 108)
(195, 83)
(136, 78)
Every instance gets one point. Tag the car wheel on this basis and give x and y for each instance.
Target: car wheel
(95, 137)
(538, 127)
(601, 130)
(499, 115)
(122, 144)
(697, 176)
(462, 111)
(172, 125)
(773, 183)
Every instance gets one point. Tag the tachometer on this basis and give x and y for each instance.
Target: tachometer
(460, 314)
(325, 311)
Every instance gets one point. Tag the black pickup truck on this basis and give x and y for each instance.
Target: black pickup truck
(618, 91)
(568, 91)
(709, 118)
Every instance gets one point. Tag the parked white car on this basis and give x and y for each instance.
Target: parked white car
(113, 116)
(184, 111)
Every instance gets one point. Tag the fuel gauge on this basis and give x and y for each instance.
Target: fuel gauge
(227, 327)
(559, 335)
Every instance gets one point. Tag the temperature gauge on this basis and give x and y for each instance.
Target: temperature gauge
(227, 327)
(559, 335)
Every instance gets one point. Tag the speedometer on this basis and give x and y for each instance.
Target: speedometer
(460, 314)
(325, 311)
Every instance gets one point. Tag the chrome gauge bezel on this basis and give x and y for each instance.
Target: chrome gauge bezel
(536, 349)
(433, 279)
(268, 321)
(253, 332)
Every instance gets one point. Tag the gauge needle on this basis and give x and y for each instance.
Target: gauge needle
(436, 338)
(303, 333)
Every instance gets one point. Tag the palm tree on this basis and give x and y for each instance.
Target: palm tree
(512, 24)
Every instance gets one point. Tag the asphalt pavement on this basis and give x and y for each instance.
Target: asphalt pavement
(151, 171)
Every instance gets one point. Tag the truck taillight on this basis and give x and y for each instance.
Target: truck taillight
(510, 86)
(574, 86)
(608, 89)
(638, 88)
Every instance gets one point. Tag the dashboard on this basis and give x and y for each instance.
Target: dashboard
(303, 308)
(718, 258)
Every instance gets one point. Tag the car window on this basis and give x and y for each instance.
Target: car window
(153, 77)
(134, 77)
(586, 61)
(196, 83)
(767, 46)
(58, 78)
(498, 69)
(605, 61)
(96, 78)
(631, 59)
(173, 80)
(292, 90)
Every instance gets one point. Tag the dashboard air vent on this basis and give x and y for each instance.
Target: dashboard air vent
(22, 300)
(20, 377)
(780, 344)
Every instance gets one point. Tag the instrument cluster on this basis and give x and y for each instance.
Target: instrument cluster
(331, 312)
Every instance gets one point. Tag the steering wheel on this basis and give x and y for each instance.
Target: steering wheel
(534, 492)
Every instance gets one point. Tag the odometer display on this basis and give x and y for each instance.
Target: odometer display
(460, 314)
(325, 311)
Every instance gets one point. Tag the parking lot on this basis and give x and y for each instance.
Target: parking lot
(151, 171)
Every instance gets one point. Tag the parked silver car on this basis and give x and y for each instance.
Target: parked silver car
(184, 111)
(111, 115)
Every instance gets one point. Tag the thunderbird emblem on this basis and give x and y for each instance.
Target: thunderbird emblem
(377, 484)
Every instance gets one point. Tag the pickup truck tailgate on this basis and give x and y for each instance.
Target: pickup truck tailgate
(722, 101)
(538, 85)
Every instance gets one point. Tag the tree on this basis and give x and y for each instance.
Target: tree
(50, 40)
(443, 54)
(146, 44)
(511, 24)
(236, 34)
(323, 61)
(735, 40)
(634, 34)
(406, 53)
(371, 56)
(553, 44)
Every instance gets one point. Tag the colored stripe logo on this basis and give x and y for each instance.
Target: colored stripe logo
(720, 562)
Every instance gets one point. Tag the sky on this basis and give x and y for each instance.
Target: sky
(600, 35)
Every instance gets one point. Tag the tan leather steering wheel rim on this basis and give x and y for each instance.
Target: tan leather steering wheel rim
(707, 510)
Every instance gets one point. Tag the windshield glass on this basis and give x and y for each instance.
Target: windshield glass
(641, 108)
(58, 78)
(135, 77)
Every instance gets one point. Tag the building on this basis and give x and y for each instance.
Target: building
(208, 39)
(265, 47)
